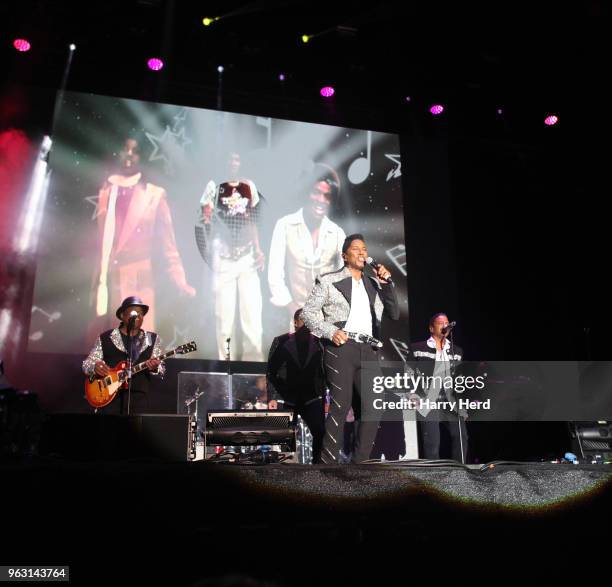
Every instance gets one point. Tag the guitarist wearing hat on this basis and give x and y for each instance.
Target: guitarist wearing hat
(127, 341)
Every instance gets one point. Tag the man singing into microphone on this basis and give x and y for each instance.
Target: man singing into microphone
(345, 310)
(440, 358)
(127, 340)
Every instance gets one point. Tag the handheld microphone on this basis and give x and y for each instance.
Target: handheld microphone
(449, 327)
(133, 316)
(375, 265)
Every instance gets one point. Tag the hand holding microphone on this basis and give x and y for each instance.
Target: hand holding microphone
(381, 271)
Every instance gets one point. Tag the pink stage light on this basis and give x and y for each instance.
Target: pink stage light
(436, 109)
(21, 44)
(327, 91)
(551, 120)
(155, 64)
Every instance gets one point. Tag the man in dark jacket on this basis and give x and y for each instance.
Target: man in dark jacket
(295, 372)
(126, 341)
(439, 359)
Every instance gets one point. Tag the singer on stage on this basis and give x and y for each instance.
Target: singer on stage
(344, 310)
(112, 347)
(439, 357)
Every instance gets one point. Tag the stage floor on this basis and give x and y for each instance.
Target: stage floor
(282, 522)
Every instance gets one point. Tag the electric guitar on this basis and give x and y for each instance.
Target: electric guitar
(101, 391)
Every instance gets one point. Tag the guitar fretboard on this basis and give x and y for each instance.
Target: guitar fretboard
(142, 366)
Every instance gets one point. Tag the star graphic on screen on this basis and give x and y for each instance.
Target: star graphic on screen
(162, 145)
(179, 119)
(179, 336)
(168, 148)
(94, 200)
(181, 139)
(397, 171)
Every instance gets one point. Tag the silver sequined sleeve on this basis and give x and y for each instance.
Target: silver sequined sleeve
(157, 351)
(89, 364)
(313, 312)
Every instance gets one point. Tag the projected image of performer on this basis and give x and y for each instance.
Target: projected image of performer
(344, 310)
(306, 243)
(231, 210)
(440, 358)
(112, 347)
(136, 235)
(295, 372)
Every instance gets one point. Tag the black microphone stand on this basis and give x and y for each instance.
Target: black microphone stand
(129, 361)
(453, 367)
(230, 390)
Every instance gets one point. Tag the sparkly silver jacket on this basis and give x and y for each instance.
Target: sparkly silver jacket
(329, 304)
(96, 354)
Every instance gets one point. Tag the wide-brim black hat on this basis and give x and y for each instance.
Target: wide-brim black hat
(131, 301)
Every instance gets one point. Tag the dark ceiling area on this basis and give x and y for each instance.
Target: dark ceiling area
(527, 59)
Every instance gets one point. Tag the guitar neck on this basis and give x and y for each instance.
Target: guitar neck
(143, 365)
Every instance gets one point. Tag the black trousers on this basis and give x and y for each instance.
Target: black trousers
(344, 368)
(431, 427)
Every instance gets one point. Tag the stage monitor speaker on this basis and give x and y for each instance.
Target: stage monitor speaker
(163, 437)
(593, 440)
(250, 428)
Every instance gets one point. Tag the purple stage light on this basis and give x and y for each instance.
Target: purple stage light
(327, 91)
(551, 120)
(155, 64)
(281, 77)
(21, 44)
(436, 109)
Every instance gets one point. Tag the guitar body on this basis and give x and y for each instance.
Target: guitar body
(101, 391)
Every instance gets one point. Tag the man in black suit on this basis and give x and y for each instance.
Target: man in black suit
(295, 371)
(440, 358)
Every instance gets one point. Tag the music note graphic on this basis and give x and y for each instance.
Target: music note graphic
(267, 124)
(396, 171)
(401, 348)
(397, 254)
(360, 168)
(50, 317)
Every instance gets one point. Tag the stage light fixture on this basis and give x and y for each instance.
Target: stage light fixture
(155, 64)
(281, 77)
(220, 69)
(72, 46)
(327, 91)
(437, 109)
(551, 120)
(207, 20)
(21, 45)
(305, 38)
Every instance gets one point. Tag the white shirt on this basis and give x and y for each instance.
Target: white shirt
(360, 317)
